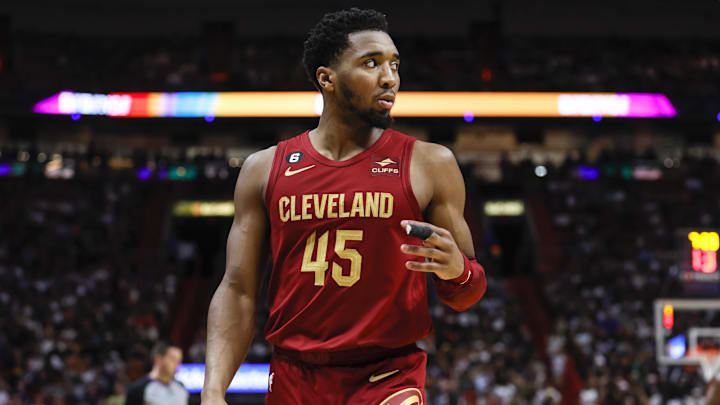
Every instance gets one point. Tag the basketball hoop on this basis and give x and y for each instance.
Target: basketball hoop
(709, 360)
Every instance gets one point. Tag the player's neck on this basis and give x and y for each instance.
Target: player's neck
(340, 138)
(157, 376)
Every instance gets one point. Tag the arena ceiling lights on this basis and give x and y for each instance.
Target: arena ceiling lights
(467, 105)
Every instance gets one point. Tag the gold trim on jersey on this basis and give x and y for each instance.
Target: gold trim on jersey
(408, 396)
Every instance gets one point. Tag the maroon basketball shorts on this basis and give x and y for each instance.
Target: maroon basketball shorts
(391, 381)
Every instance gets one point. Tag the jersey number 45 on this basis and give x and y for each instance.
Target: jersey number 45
(320, 265)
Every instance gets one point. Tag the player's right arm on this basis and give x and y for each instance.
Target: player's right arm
(231, 318)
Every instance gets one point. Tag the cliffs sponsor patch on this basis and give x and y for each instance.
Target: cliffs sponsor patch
(385, 166)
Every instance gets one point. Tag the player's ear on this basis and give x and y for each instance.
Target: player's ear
(326, 78)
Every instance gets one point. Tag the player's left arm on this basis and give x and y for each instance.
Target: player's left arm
(459, 279)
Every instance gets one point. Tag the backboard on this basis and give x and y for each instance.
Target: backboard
(687, 332)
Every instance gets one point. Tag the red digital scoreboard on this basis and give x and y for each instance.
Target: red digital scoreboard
(698, 255)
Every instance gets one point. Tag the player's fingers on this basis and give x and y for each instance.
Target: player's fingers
(436, 229)
(437, 237)
(423, 251)
(426, 267)
(438, 240)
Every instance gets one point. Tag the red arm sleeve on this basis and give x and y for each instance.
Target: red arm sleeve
(462, 292)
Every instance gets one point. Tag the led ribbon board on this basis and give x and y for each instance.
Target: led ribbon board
(310, 104)
(249, 378)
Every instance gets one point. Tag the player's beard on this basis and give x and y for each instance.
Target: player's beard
(371, 117)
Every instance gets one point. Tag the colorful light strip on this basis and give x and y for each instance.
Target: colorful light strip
(309, 104)
(248, 379)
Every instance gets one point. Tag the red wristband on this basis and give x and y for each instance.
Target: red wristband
(466, 274)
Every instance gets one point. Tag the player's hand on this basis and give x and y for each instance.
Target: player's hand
(446, 259)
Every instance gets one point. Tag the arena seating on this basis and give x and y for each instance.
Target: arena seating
(87, 295)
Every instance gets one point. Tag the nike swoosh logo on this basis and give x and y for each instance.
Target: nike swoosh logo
(289, 172)
(379, 377)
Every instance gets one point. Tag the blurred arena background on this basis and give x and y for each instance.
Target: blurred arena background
(114, 213)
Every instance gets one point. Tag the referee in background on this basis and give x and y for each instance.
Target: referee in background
(160, 386)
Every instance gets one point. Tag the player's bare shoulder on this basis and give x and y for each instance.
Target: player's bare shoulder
(260, 161)
(258, 164)
(253, 177)
(433, 154)
(433, 170)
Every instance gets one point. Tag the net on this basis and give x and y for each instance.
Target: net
(709, 360)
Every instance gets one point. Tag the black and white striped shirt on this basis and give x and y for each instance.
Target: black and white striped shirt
(147, 391)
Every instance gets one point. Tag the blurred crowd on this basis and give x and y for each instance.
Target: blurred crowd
(482, 62)
(83, 304)
(84, 297)
(80, 312)
(619, 244)
(486, 355)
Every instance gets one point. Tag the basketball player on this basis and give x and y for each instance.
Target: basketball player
(347, 293)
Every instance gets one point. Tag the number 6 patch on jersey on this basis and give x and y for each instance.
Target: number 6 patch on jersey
(294, 157)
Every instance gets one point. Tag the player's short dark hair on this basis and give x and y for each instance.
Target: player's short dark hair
(161, 347)
(329, 37)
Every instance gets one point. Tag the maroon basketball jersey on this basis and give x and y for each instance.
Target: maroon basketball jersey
(339, 279)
